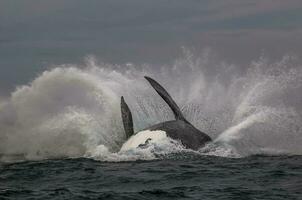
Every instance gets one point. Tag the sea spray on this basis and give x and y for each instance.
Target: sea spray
(74, 111)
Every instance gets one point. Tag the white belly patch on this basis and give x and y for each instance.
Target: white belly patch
(142, 138)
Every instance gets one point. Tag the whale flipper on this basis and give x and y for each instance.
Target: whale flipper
(167, 98)
(127, 118)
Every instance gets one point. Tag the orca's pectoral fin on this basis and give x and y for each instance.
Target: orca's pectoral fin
(167, 98)
(127, 118)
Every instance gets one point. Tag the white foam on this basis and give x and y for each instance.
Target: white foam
(159, 145)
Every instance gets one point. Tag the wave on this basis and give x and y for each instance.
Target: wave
(73, 111)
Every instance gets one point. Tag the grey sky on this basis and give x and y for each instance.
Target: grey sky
(37, 33)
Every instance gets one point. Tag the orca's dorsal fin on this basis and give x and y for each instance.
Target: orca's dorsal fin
(127, 119)
(167, 98)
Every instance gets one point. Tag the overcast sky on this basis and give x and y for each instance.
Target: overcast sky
(37, 33)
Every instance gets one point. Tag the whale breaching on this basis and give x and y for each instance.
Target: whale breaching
(179, 129)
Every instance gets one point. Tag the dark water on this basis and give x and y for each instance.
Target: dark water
(256, 177)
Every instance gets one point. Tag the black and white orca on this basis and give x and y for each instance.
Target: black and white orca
(179, 129)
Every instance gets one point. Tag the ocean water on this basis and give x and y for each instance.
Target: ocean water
(182, 177)
(61, 135)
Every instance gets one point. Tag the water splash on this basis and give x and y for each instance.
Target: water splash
(73, 111)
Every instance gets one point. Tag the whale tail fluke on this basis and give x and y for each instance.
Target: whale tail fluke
(127, 118)
(167, 98)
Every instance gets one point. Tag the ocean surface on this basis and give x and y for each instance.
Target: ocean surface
(186, 176)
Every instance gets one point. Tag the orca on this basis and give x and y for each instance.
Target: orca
(179, 129)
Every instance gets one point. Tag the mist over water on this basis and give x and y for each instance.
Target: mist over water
(74, 111)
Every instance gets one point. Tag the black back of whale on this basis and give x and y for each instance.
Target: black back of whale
(179, 129)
